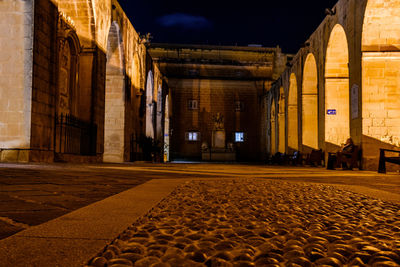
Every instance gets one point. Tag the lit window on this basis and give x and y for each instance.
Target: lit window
(192, 136)
(239, 137)
(239, 106)
(192, 104)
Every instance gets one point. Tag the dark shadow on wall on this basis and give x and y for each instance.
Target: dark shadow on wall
(370, 147)
(330, 147)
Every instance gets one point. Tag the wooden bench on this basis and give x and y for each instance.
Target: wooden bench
(352, 159)
(383, 159)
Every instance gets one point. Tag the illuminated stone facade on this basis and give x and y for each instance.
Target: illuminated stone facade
(343, 82)
(77, 83)
(73, 88)
(216, 92)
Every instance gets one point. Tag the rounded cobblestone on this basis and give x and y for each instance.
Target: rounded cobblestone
(255, 222)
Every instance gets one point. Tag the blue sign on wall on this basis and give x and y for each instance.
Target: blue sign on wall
(331, 112)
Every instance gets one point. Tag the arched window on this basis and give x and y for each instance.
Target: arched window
(67, 89)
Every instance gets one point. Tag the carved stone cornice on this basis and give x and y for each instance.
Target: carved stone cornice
(64, 25)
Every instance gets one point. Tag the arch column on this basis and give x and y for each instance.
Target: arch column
(282, 121)
(273, 128)
(293, 132)
(114, 139)
(380, 79)
(337, 115)
(310, 104)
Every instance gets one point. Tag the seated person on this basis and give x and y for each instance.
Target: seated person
(345, 151)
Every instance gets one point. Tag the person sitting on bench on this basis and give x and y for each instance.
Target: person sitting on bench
(345, 151)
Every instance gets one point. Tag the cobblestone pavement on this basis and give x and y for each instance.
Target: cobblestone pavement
(259, 222)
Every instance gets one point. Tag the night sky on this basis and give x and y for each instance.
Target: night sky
(268, 23)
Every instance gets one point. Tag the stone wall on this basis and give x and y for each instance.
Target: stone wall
(16, 42)
(356, 51)
(215, 96)
(61, 48)
(44, 81)
(228, 81)
(125, 81)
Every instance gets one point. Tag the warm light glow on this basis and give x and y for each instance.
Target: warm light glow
(380, 78)
(310, 103)
(82, 13)
(293, 142)
(149, 105)
(337, 122)
(381, 26)
(114, 137)
(136, 72)
(281, 121)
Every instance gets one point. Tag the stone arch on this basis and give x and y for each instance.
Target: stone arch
(310, 103)
(82, 14)
(67, 96)
(67, 77)
(273, 127)
(293, 140)
(337, 114)
(282, 121)
(380, 78)
(150, 105)
(114, 126)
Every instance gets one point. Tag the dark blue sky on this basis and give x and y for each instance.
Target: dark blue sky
(269, 23)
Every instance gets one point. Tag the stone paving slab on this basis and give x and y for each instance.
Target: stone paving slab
(35, 193)
(43, 252)
(72, 239)
(32, 217)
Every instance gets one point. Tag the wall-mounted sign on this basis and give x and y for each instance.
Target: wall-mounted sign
(354, 101)
(331, 112)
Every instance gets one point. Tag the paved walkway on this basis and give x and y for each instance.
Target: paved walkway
(31, 194)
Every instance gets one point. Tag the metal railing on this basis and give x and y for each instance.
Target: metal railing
(75, 136)
(136, 149)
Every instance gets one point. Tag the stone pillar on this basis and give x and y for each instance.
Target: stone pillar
(16, 57)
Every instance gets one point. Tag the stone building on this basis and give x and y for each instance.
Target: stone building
(343, 82)
(78, 83)
(73, 87)
(216, 104)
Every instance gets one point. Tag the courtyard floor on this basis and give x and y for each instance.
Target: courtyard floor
(196, 214)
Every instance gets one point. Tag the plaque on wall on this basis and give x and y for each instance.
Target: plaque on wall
(354, 101)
